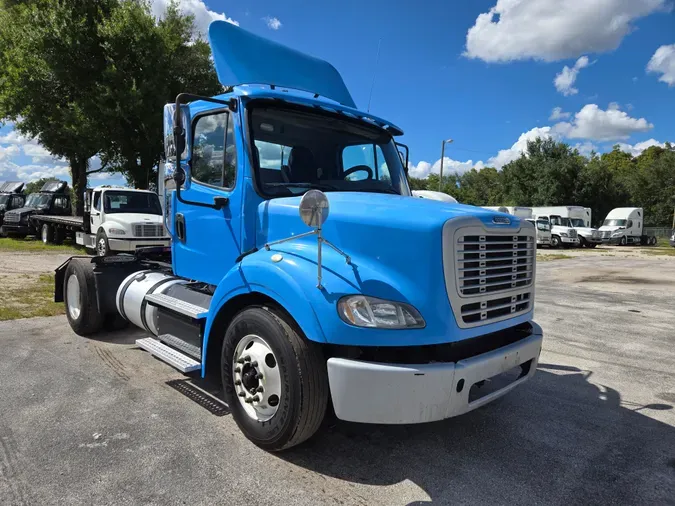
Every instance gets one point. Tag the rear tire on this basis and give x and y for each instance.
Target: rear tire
(79, 296)
(301, 374)
(59, 235)
(47, 233)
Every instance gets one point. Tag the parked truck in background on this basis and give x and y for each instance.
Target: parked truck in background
(298, 285)
(52, 199)
(625, 225)
(576, 217)
(543, 231)
(11, 197)
(521, 212)
(116, 219)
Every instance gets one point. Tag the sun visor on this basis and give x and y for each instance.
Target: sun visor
(242, 57)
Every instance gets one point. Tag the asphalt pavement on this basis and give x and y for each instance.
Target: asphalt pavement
(99, 421)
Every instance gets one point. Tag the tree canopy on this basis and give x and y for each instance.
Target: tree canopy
(90, 79)
(552, 173)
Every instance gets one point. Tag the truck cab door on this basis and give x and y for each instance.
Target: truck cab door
(96, 212)
(16, 202)
(207, 241)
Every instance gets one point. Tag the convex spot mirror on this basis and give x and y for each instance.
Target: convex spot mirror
(314, 208)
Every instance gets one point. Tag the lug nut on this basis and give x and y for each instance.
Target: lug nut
(237, 369)
(255, 399)
(242, 394)
(237, 382)
(240, 361)
(259, 376)
(247, 358)
(259, 389)
(254, 364)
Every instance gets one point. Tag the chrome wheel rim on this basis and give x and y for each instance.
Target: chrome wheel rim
(101, 248)
(44, 234)
(256, 377)
(73, 297)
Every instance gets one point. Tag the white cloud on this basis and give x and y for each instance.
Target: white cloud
(272, 23)
(663, 62)
(557, 113)
(14, 137)
(639, 147)
(202, 14)
(564, 81)
(520, 146)
(554, 29)
(593, 123)
(28, 173)
(585, 148)
(9, 152)
(450, 166)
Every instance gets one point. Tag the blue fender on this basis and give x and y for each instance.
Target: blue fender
(258, 274)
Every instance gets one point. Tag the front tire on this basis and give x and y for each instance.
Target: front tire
(275, 380)
(102, 246)
(555, 242)
(623, 241)
(591, 244)
(79, 295)
(47, 233)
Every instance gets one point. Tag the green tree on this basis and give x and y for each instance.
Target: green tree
(51, 63)
(149, 63)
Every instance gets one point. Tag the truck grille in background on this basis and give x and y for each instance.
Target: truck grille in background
(148, 230)
(606, 234)
(12, 218)
(490, 268)
(595, 234)
(573, 234)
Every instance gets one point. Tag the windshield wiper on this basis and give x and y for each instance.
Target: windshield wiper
(318, 186)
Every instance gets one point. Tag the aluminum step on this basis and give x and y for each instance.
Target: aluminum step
(177, 305)
(185, 347)
(172, 357)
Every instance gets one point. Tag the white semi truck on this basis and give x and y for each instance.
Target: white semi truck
(625, 225)
(521, 212)
(576, 217)
(563, 233)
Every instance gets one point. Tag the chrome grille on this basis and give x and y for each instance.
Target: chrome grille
(606, 234)
(12, 218)
(494, 274)
(595, 234)
(573, 234)
(148, 230)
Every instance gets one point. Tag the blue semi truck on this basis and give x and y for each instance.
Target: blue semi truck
(301, 270)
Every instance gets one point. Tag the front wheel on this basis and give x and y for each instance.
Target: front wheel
(623, 241)
(555, 242)
(275, 380)
(102, 246)
(591, 244)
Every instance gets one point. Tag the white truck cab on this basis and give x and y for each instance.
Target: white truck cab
(121, 219)
(434, 195)
(543, 228)
(624, 225)
(575, 217)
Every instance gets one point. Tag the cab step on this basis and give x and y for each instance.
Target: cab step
(185, 347)
(172, 357)
(177, 305)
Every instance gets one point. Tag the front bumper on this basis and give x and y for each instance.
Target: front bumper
(371, 392)
(544, 241)
(16, 228)
(134, 244)
(570, 240)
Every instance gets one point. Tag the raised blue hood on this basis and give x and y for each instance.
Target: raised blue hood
(242, 57)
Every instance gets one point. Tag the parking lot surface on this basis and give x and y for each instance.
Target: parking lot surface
(98, 421)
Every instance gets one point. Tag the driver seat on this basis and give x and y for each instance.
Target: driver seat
(301, 165)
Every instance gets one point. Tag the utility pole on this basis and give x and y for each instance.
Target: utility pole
(440, 180)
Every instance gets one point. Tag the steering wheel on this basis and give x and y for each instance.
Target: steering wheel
(359, 168)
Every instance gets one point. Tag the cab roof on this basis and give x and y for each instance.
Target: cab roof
(256, 67)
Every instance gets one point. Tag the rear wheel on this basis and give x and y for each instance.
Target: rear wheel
(275, 380)
(652, 241)
(59, 235)
(79, 294)
(47, 233)
(555, 242)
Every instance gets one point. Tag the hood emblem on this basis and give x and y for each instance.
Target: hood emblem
(501, 220)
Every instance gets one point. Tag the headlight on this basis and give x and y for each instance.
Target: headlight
(618, 233)
(563, 234)
(116, 231)
(363, 311)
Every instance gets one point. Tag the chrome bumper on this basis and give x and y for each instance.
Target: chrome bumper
(370, 392)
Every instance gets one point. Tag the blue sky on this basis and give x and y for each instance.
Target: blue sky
(487, 73)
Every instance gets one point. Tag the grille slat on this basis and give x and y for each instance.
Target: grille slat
(12, 218)
(148, 230)
(494, 274)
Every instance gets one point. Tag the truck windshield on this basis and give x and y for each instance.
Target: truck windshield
(121, 201)
(38, 200)
(3, 200)
(577, 222)
(297, 150)
(614, 223)
(560, 221)
(543, 226)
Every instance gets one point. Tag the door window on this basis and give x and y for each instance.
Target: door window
(17, 202)
(214, 155)
(629, 224)
(97, 201)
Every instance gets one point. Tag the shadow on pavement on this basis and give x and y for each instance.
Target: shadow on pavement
(557, 439)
